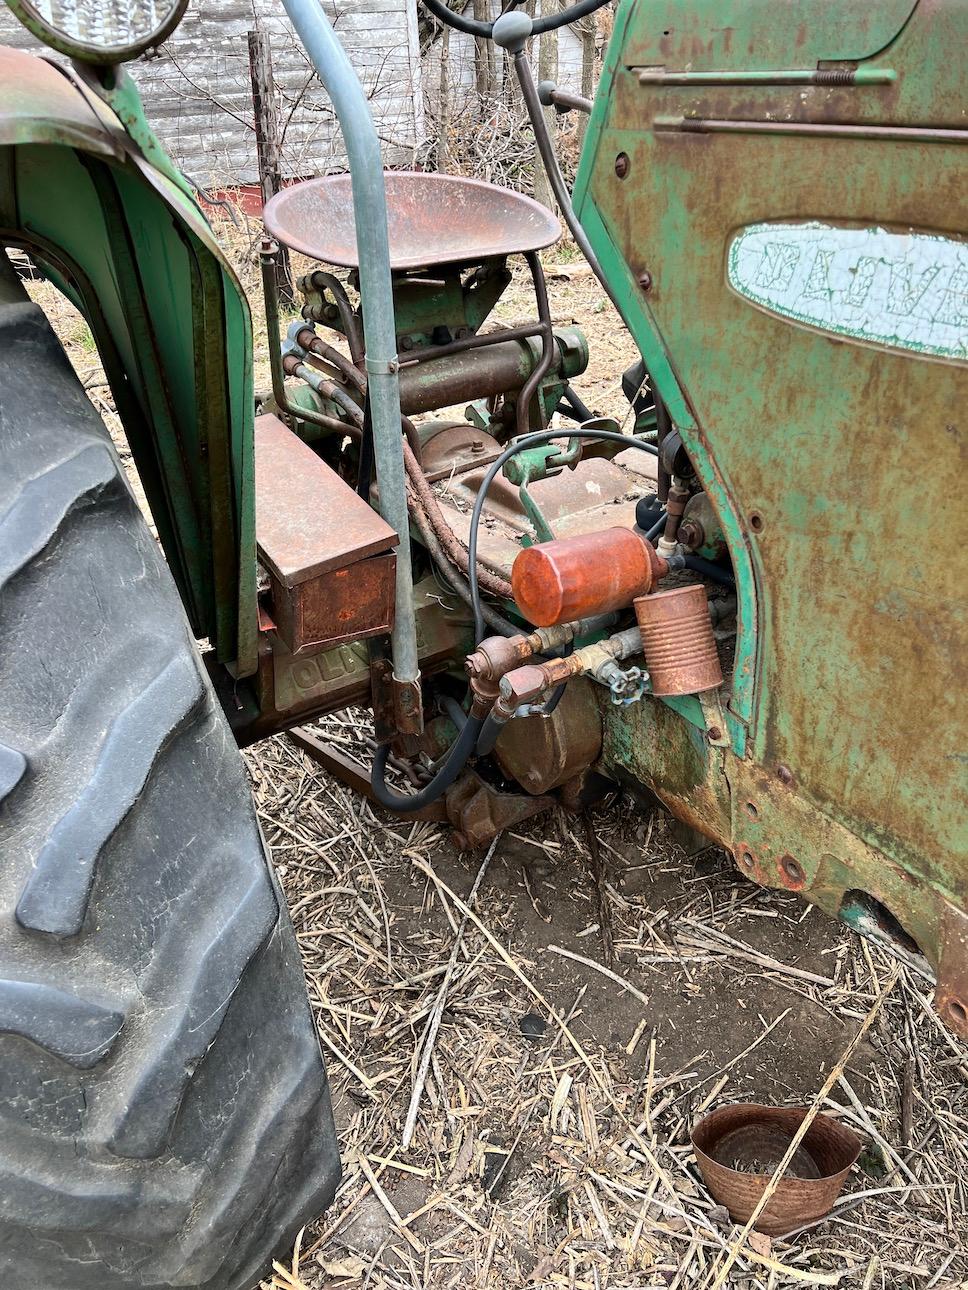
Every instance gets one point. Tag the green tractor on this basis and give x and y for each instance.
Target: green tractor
(748, 605)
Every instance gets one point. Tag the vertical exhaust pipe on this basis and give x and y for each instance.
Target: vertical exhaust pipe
(376, 292)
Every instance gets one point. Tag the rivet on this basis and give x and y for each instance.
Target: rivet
(645, 280)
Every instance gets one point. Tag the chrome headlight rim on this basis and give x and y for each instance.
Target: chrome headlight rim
(86, 52)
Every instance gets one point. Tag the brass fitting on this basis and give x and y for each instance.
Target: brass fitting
(497, 655)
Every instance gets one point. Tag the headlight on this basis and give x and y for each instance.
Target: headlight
(100, 31)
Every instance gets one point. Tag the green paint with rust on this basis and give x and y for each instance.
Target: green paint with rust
(123, 237)
(650, 742)
(449, 298)
(835, 466)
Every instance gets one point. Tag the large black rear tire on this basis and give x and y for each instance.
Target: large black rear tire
(164, 1114)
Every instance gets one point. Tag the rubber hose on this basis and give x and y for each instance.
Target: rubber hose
(573, 401)
(364, 470)
(656, 528)
(453, 710)
(489, 735)
(457, 759)
(709, 570)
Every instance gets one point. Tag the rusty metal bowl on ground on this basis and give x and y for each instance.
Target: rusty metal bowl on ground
(738, 1147)
(431, 219)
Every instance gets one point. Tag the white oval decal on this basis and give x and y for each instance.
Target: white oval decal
(905, 290)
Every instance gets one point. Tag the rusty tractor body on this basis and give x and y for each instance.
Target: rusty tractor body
(749, 608)
(776, 201)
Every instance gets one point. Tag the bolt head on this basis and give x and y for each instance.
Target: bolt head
(645, 280)
(784, 774)
(622, 165)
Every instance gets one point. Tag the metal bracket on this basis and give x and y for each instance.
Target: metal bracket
(533, 464)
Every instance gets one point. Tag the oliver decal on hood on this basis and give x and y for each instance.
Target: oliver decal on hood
(902, 290)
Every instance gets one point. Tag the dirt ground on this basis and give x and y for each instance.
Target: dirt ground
(551, 1143)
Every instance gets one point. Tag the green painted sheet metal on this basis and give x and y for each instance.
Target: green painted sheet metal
(838, 459)
(623, 271)
(132, 250)
(753, 35)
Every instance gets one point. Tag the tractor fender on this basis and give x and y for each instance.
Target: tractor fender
(39, 103)
(126, 242)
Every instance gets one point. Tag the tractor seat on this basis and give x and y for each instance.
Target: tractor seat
(432, 219)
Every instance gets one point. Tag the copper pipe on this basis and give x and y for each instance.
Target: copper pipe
(455, 551)
(308, 339)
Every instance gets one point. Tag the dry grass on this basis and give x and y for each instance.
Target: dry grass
(564, 1161)
(656, 987)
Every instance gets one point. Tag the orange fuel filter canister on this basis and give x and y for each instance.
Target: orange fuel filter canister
(578, 577)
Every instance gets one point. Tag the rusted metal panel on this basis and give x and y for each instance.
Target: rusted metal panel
(309, 520)
(346, 604)
(432, 219)
(326, 551)
(756, 34)
(40, 105)
(828, 448)
(951, 996)
(292, 688)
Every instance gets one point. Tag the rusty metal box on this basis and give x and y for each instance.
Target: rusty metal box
(327, 553)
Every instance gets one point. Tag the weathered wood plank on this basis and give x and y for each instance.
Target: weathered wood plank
(198, 96)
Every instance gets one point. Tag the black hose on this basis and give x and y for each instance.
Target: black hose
(553, 702)
(489, 735)
(709, 570)
(457, 759)
(571, 405)
(453, 710)
(519, 445)
(656, 528)
(364, 469)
